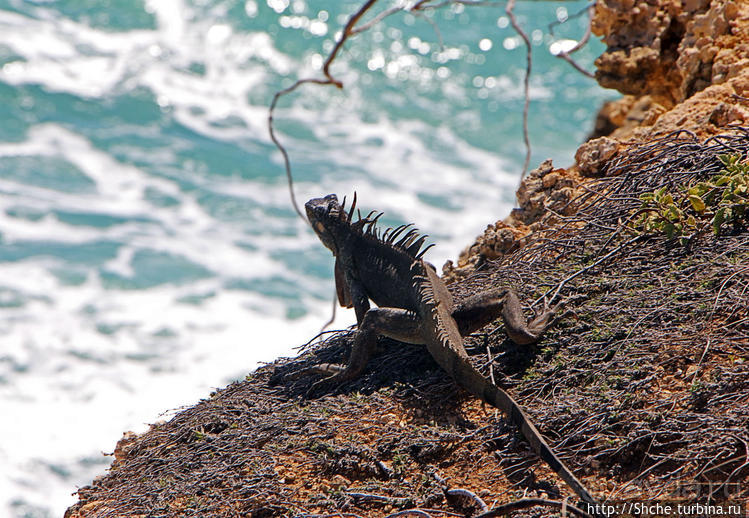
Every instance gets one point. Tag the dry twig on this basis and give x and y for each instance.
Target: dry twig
(526, 83)
(346, 33)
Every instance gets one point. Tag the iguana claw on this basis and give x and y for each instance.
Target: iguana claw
(318, 388)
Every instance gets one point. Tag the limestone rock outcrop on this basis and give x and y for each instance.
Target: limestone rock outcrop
(682, 65)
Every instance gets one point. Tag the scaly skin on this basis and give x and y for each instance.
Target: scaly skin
(416, 307)
(444, 343)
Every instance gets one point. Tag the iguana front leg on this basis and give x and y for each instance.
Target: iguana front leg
(399, 324)
(480, 309)
(359, 299)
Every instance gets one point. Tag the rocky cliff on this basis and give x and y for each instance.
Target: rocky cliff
(682, 65)
(643, 389)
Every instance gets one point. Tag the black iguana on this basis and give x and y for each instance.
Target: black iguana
(415, 306)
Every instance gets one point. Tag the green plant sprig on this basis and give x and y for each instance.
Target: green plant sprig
(721, 200)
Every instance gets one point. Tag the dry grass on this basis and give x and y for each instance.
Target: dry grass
(643, 390)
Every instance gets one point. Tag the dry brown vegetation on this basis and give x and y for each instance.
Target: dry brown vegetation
(643, 389)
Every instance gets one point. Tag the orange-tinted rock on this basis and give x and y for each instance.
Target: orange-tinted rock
(683, 65)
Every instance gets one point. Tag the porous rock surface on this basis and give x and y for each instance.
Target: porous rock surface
(682, 65)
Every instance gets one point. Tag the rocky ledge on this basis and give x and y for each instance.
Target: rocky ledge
(643, 389)
(681, 65)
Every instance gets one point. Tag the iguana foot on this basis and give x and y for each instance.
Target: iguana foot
(336, 375)
(365, 342)
(320, 387)
(392, 322)
(545, 319)
(517, 329)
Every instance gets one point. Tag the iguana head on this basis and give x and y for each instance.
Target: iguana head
(324, 215)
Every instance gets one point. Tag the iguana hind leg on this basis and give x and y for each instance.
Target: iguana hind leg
(480, 309)
(395, 323)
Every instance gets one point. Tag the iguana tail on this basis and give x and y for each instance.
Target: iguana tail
(445, 344)
(479, 386)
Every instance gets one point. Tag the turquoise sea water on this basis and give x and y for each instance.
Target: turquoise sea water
(148, 250)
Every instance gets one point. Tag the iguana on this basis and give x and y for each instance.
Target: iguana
(415, 306)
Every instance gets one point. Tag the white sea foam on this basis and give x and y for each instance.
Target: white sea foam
(120, 190)
(73, 410)
(158, 60)
(82, 363)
